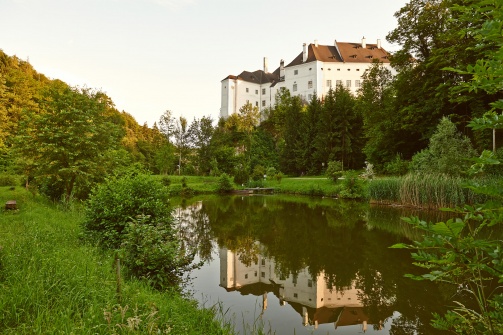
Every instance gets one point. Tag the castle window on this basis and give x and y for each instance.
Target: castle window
(310, 84)
(263, 274)
(309, 283)
(256, 103)
(295, 72)
(357, 83)
(256, 91)
(294, 87)
(246, 276)
(263, 103)
(348, 83)
(295, 295)
(247, 90)
(263, 91)
(329, 83)
(338, 82)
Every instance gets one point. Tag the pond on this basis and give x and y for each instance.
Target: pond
(298, 265)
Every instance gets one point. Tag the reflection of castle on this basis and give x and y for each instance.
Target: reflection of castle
(312, 299)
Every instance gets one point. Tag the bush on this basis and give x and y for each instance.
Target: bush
(241, 177)
(258, 172)
(166, 181)
(8, 180)
(224, 183)
(113, 204)
(449, 152)
(334, 170)
(278, 176)
(352, 186)
(397, 167)
(152, 252)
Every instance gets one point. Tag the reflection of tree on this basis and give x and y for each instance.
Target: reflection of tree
(327, 237)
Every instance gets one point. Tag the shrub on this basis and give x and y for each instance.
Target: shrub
(448, 152)
(278, 176)
(166, 181)
(334, 170)
(258, 172)
(352, 186)
(397, 167)
(113, 204)
(224, 183)
(241, 177)
(8, 180)
(152, 252)
(271, 172)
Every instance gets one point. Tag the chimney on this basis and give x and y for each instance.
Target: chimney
(364, 42)
(304, 53)
(282, 70)
(378, 44)
(316, 43)
(266, 69)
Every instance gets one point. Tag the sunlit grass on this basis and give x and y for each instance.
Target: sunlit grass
(52, 283)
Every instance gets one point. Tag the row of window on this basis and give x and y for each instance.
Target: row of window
(329, 84)
(256, 91)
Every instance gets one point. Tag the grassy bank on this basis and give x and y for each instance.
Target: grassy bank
(52, 283)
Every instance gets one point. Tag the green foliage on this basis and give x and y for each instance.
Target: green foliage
(397, 167)
(166, 181)
(114, 203)
(462, 251)
(334, 170)
(258, 173)
(67, 145)
(52, 283)
(278, 177)
(241, 177)
(353, 187)
(8, 180)
(152, 252)
(224, 183)
(448, 152)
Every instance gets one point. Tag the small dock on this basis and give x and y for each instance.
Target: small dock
(260, 190)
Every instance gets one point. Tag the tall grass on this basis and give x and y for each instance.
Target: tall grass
(51, 283)
(428, 191)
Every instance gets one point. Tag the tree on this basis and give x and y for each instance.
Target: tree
(448, 152)
(201, 132)
(290, 152)
(182, 139)
(375, 104)
(66, 145)
(309, 160)
(167, 124)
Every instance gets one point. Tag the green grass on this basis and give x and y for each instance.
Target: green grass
(51, 283)
(314, 186)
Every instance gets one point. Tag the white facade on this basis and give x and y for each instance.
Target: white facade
(314, 71)
(313, 295)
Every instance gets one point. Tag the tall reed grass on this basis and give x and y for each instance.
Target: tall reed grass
(428, 191)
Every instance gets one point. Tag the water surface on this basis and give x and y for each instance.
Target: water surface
(295, 265)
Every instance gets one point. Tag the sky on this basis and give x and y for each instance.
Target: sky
(150, 56)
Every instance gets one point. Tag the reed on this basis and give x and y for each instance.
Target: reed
(427, 191)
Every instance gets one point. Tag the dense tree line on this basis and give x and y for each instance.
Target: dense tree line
(48, 129)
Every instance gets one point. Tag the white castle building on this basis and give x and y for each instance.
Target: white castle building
(310, 297)
(315, 70)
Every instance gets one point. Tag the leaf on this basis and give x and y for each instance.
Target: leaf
(400, 246)
(449, 228)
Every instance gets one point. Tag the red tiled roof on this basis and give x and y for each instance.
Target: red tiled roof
(350, 52)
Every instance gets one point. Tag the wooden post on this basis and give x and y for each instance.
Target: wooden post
(118, 275)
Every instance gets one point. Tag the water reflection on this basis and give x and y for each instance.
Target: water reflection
(313, 300)
(308, 265)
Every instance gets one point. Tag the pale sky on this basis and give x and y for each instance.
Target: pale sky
(152, 55)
